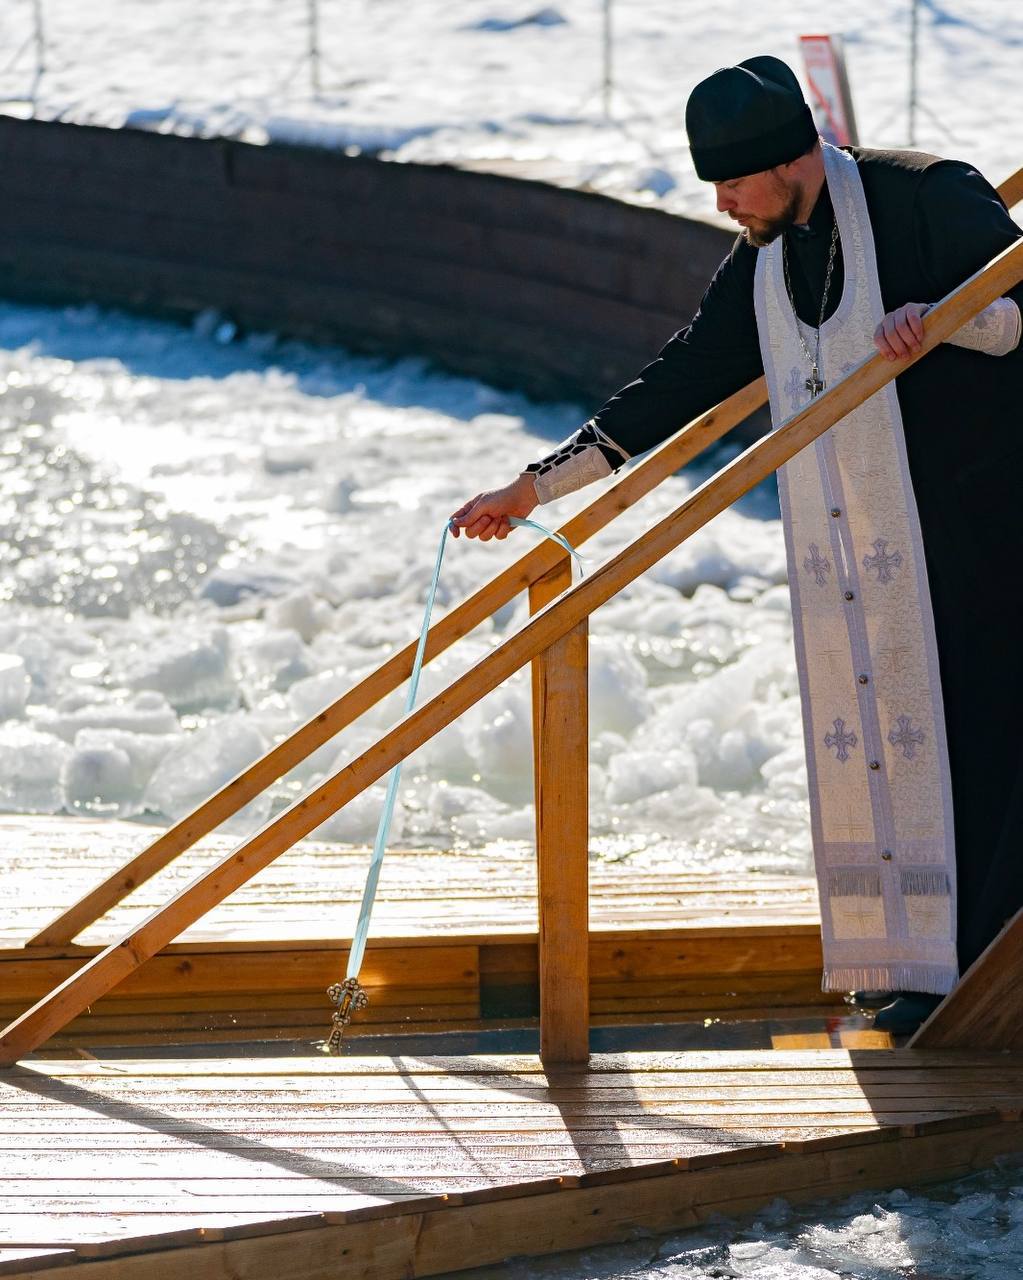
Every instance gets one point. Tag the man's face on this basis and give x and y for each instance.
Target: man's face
(763, 204)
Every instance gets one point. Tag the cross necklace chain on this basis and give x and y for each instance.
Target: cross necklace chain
(815, 384)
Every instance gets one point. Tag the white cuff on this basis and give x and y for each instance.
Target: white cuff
(996, 330)
(564, 471)
(576, 462)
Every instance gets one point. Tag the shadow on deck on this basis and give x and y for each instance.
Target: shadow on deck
(397, 1167)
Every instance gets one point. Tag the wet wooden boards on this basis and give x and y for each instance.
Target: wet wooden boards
(449, 949)
(313, 891)
(404, 1167)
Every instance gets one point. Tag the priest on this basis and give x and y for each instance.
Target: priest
(901, 528)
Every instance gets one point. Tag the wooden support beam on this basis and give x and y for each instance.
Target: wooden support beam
(476, 608)
(985, 1010)
(561, 767)
(114, 964)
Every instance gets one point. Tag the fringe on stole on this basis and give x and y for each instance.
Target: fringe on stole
(937, 980)
(925, 884)
(856, 883)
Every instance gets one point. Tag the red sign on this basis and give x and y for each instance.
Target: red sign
(830, 98)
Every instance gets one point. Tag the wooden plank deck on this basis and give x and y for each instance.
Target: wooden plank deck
(448, 949)
(389, 1167)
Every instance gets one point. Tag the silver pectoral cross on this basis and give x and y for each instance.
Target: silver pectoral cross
(814, 383)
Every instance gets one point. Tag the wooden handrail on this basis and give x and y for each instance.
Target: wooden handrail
(1011, 189)
(117, 961)
(672, 455)
(687, 444)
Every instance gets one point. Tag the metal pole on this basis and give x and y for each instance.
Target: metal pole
(608, 50)
(40, 44)
(314, 47)
(914, 46)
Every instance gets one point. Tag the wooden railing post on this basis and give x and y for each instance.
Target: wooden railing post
(560, 771)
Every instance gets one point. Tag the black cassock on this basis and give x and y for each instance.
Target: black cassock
(935, 222)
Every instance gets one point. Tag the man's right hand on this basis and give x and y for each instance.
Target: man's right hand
(901, 332)
(487, 515)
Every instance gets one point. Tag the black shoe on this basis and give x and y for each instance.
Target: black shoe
(906, 1012)
(868, 999)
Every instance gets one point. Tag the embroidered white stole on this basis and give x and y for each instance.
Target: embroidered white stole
(877, 763)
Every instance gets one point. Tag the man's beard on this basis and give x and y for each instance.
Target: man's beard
(771, 229)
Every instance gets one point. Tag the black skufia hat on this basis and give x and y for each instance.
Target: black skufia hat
(745, 119)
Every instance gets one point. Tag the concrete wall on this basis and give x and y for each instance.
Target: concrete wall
(559, 293)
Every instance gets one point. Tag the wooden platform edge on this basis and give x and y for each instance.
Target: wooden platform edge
(601, 930)
(455, 962)
(429, 1237)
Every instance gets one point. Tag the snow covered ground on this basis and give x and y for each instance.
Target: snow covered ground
(498, 80)
(205, 543)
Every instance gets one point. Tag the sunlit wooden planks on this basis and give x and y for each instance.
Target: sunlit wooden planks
(313, 890)
(175, 1168)
(456, 944)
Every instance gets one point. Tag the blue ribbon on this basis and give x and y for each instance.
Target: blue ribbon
(355, 956)
(549, 533)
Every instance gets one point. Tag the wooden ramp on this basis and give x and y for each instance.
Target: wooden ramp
(986, 1009)
(309, 1168)
(451, 950)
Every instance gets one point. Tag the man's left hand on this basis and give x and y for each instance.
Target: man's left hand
(901, 332)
